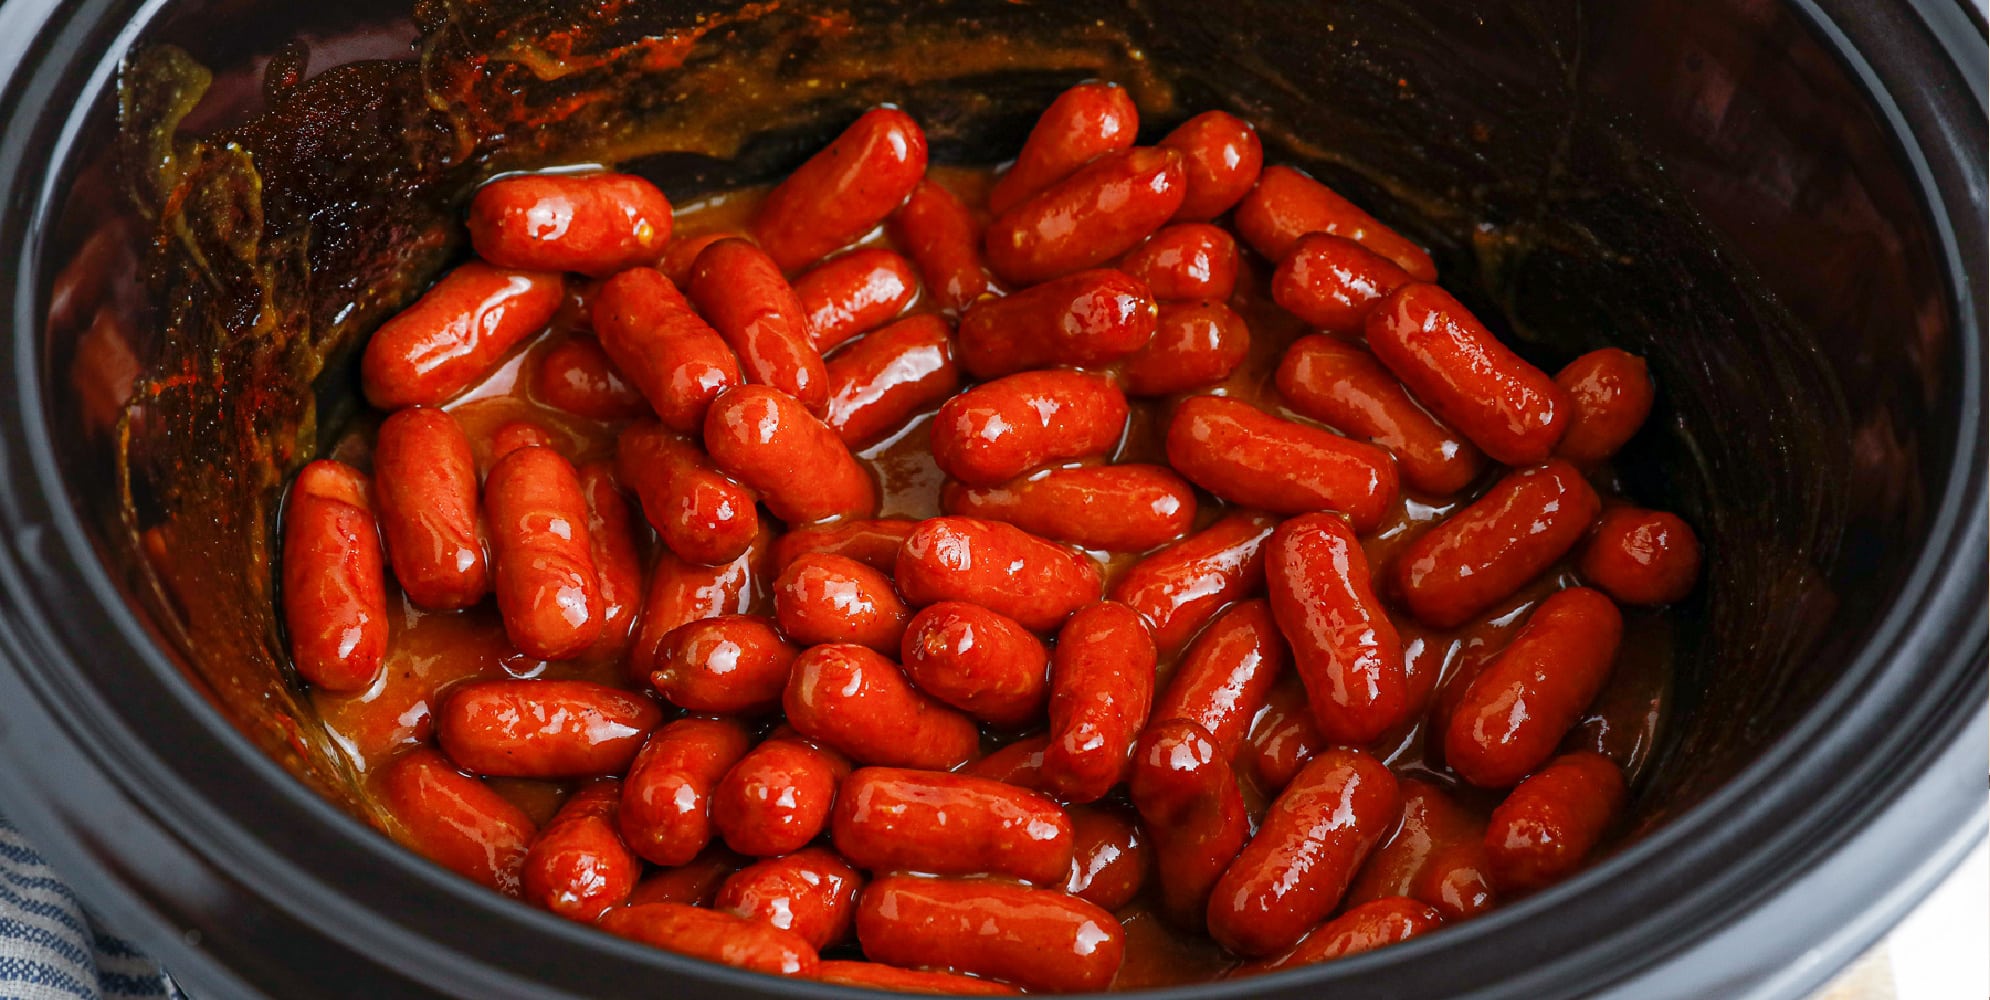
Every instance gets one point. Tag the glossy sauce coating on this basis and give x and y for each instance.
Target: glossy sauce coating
(1641, 556)
(803, 472)
(1610, 395)
(546, 582)
(678, 362)
(895, 819)
(1226, 676)
(822, 598)
(882, 380)
(578, 866)
(726, 664)
(1286, 205)
(334, 580)
(1099, 212)
(596, 224)
(859, 702)
(999, 430)
(455, 820)
(664, 814)
(1334, 283)
(998, 566)
(1039, 939)
(979, 661)
(1179, 588)
(699, 512)
(943, 238)
(1196, 345)
(1084, 123)
(739, 289)
(853, 293)
(1362, 928)
(1101, 688)
(1521, 705)
(1344, 648)
(1254, 459)
(1489, 550)
(843, 191)
(455, 333)
(427, 490)
(1090, 318)
(1221, 159)
(1111, 508)
(577, 376)
(543, 729)
(1549, 824)
(1185, 262)
(812, 893)
(714, 936)
(777, 798)
(1344, 387)
(1183, 787)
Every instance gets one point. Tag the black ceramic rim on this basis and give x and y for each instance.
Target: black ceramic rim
(184, 824)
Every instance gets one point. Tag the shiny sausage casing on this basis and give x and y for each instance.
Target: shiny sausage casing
(596, 224)
(1371, 925)
(1114, 508)
(1181, 587)
(1254, 459)
(1519, 707)
(578, 376)
(979, 661)
(547, 588)
(1550, 822)
(1227, 674)
(739, 290)
(892, 819)
(618, 564)
(1090, 318)
(1082, 124)
(812, 893)
(1185, 791)
(1344, 648)
(665, 797)
(859, 702)
(543, 728)
(1345, 388)
(714, 936)
(878, 383)
(1103, 210)
(1333, 283)
(1221, 159)
(455, 820)
(872, 542)
(1195, 345)
(578, 866)
(1610, 395)
(853, 293)
(729, 664)
(455, 333)
(677, 361)
(1286, 205)
(777, 798)
(698, 511)
(1039, 939)
(1109, 857)
(802, 470)
(821, 598)
(1101, 688)
(844, 191)
(995, 565)
(999, 430)
(1484, 553)
(425, 479)
(1638, 556)
(334, 580)
(941, 235)
(1185, 262)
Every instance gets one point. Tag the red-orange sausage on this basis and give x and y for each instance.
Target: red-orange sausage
(739, 290)
(1371, 925)
(334, 583)
(892, 979)
(879, 382)
(1186, 262)
(596, 224)
(455, 820)
(1523, 703)
(1195, 345)
(1550, 822)
(678, 362)
(1039, 939)
(999, 430)
(1436, 856)
(665, 797)
(426, 481)
(682, 254)
(1344, 647)
(802, 470)
(983, 663)
(699, 512)
(1308, 847)
(1283, 737)
(1641, 556)
(1113, 508)
(578, 866)
(543, 728)
(812, 893)
(1249, 457)
(1103, 210)
(1093, 317)
(681, 592)
(852, 699)
(1286, 204)
(547, 588)
(1343, 386)
(1227, 674)
(1084, 123)
(855, 292)
(730, 664)
(871, 542)
(578, 377)
(520, 434)
(1334, 283)
(943, 238)
(1019, 763)
(1109, 856)
(1101, 687)
(1181, 587)
(693, 884)
(1610, 395)
(844, 191)
(455, 333)
(1479, 556)
(823, 598)
(617, 562)
(1221, 158)
(1183, 787)
(1454, 365)
(777, 798)
(998, 566)
(892, 819)
(713, 936)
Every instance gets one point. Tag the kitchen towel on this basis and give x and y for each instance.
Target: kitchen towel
(49, 949)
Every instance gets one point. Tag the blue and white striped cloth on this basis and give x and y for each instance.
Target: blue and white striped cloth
(49, 949)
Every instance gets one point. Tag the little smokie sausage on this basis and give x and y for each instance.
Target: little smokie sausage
(725, 938)
(1183, 787)
(1179, 588)
(802, 470)
(698, 511)
(979, 661)
(1283, 736)
(1639, 556)
(998, 566)
(999, 430)
(1082, 124)
(578, 866)
(677, 361)
(726, 664)
(1371, 925)
(823, 598)
(1550, 822)
(1185, 262)
(1436, 856)
(1039, 939)
(543, 728)
(1103, 210)
(871, 542)
(1101, 687)
(577, 376)
(425, 478)
(1344, 648)
(1286, 205)
(1334, 283)
(681, 592)
(1114, 508)
(334, 583)
(843, 191)
(878, 383)
(1221, 158)
(1342, 386)
(853, 293)
(1195, 345)
(893, 819)
(596, 224)
(547, 588)
(455, 820)
(1481, 555)
(941, 235)
(456, 333)
(618, 564)
(1251, 458)
(1610, 394)
(1521, 705)
(1090, 318)
(740, 291)
(694, 883)
(777, 798)
(1307, 849)
(666, 795)
(812, 893)
(1109, 856)
(1224, 679)
(859, 702)
(1454, 365)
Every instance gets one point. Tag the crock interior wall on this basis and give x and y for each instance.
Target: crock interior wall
(1698, 182)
